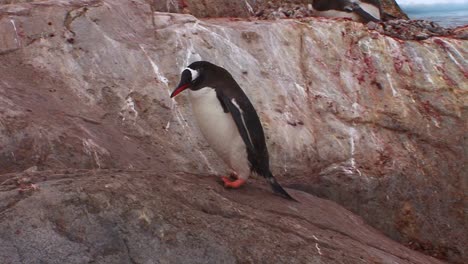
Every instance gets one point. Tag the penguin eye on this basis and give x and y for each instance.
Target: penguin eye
(194, 74)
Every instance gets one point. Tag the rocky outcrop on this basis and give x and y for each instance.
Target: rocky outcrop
(260, 8)
(392, 9)
(374, 123)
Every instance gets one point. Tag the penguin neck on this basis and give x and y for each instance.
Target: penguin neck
(200, 93)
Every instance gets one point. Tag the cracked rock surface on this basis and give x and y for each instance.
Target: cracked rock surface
(373, 123)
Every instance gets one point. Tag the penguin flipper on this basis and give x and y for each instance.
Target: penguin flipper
(253, 140)
(236, 114)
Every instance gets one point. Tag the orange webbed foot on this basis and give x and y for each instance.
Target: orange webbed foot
(232, 184)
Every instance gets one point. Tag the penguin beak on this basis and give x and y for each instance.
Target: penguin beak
(179, 89)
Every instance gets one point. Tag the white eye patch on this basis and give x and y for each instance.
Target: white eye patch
(194, 73)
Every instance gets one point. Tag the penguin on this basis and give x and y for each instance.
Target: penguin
(364, 11)
(229, 122)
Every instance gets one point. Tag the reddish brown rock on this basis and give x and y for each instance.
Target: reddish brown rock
(374, 123)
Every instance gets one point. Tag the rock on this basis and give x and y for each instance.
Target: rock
(263, 9)
(144, 217)
(460, 32)
(281, 9)
(206, 8)
(415, 29)
(392, 10)
(372, 122)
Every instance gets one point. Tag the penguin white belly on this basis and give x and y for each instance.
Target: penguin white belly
(220, 130)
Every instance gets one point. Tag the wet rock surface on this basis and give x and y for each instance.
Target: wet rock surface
(372, 122)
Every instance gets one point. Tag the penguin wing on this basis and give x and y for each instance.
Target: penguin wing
(250, 129)
(237, 114)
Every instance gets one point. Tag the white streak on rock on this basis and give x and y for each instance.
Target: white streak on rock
(212, 171)
(300, 88)
(156, 71)
(16, 33)
(318, 249)
(421, 63)
(436, 123)
(91, 148)
(451, 50)
(316, 245)
(454, 60)
(352, 133)
(352, 136)
(249, 7)
(394, 92)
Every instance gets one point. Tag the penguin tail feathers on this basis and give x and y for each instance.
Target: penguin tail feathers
(277, 187)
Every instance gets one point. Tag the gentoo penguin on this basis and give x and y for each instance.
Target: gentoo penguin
(364, 11)
(229, 122)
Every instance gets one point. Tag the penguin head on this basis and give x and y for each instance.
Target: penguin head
(196, 76)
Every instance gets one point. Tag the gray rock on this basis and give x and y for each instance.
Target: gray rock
(152, 217)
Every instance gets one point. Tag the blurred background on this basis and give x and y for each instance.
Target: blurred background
(448, 13)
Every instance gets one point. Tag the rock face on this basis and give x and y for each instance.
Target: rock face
(143, 217)
(374, 123)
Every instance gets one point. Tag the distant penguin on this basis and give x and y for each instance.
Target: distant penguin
(364, 11)
(229, 122)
